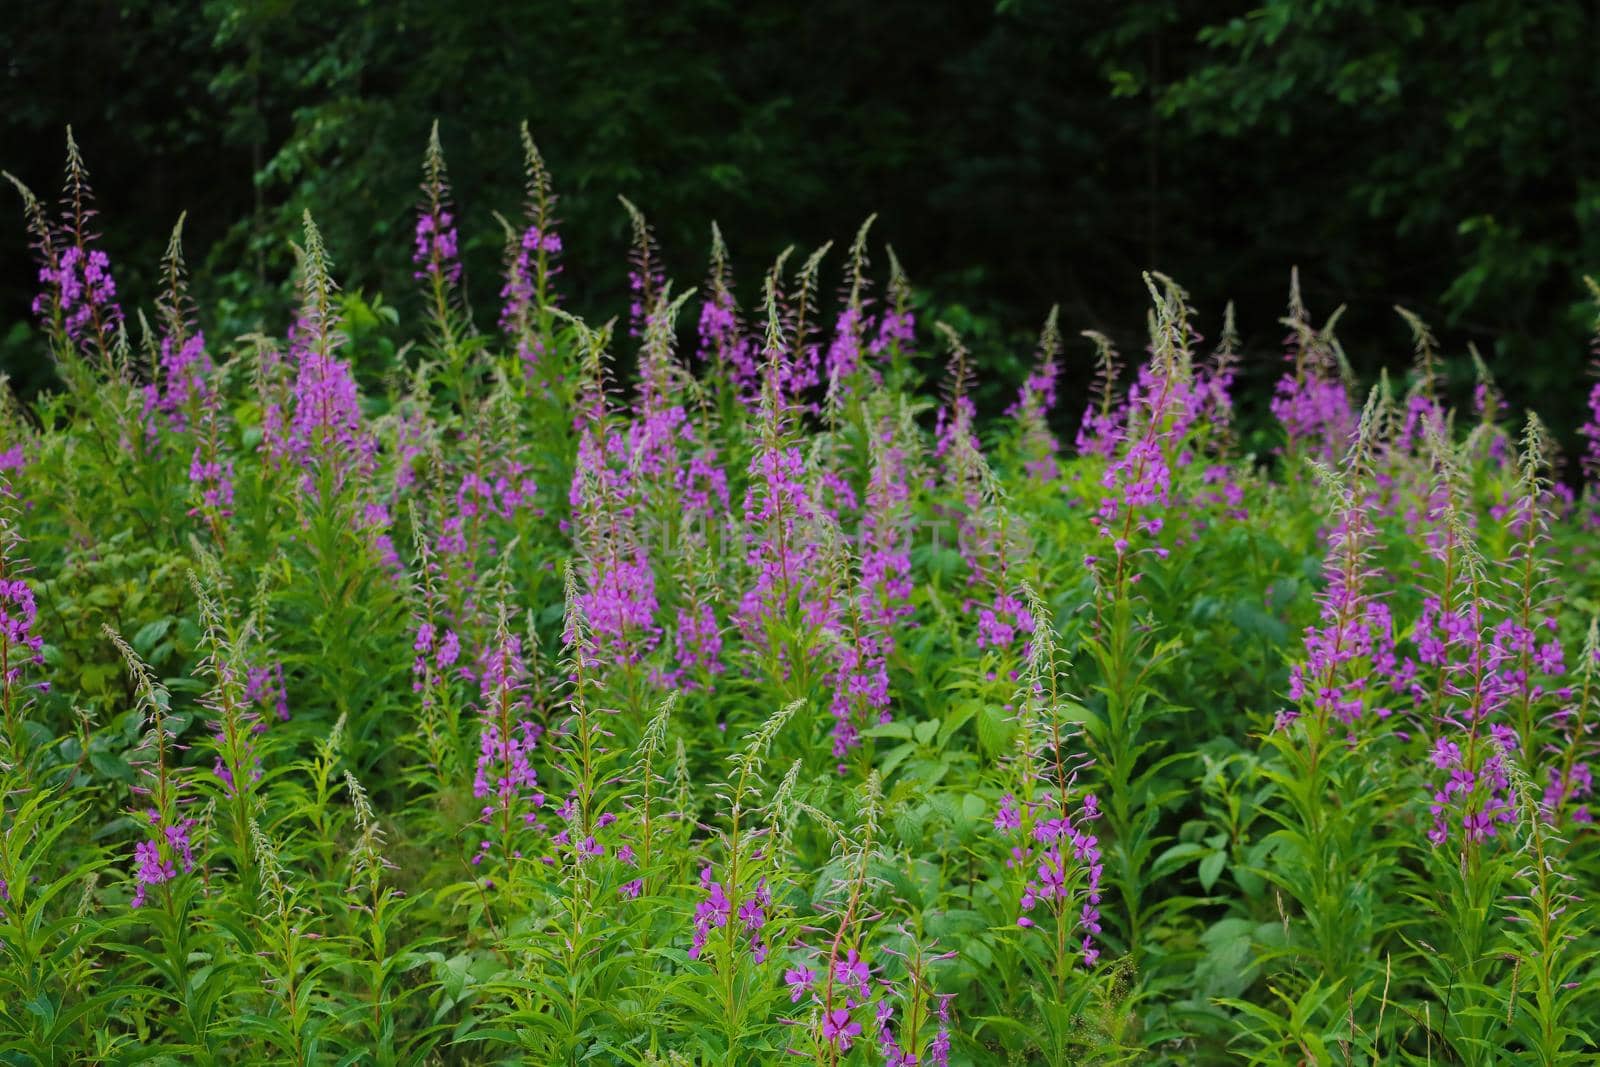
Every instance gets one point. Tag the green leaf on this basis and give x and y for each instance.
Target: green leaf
(1211, 869)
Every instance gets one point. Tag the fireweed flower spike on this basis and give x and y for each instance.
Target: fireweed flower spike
(638, 852)
(661, 428)
(800, 365)
(645, 274)
(234, 723)
(1569, 781)
(77, 301)
(487, 494)
(1214, 386)
(184, 396)
(1100, 430)
(735, 916)
(1591, 426)
(505, 781)
(954, 423)
(78, 295)
(848, 346)
(1452, 637)
(437, 676)
(1312, 401)
(583, 753)
(843, 988)
(1352, 649)
(779, 510)
(325, 434)
(607, 495)
(436, 249)
(886, 535)
(697, 642)
(1344, 717)
(1424, 416)
(1035, 401)
(436, 253)
(860, 678)
(367, 862)
(723, 342)
(48, 305)
(897, 326)
(1526, 655)
(983, 526)
(1139, 478)
(21, 645)
(166, 852)
(1052, 847)
(1543, 920)
(987, 535)
(1492, 445)
(182, 391)
(739, 902)
(528, 294)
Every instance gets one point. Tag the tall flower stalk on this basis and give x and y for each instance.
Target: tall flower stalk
(528, 296)
(436, 252)
(21, 644)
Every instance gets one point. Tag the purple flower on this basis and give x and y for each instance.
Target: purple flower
(716, 909)
(646, 279)
(158, 858)
(436, 253)
(18, 615)
(213, 480)
(183, 381)
(852, 970)
(799, 980)
(1003, 621)
(1591, 425)
(529, 270)
(326, 425)
(1100, 429)
(778, 507)
(78, 288)
(723, 341)
(1564, 786)
(711, 913)
(698, 641)
(886, 586)
(1035, 400)
(1067, 868)
(1007, 818)
(504, 777)
(844, 351)
(861, 688)
(1311, 401)
(620, 605)
(839, 1029)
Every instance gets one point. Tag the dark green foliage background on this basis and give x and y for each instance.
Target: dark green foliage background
(1021, 153)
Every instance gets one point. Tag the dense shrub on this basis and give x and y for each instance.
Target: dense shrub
(542, 693)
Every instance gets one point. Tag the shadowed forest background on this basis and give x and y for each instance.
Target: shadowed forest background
(1019, 154)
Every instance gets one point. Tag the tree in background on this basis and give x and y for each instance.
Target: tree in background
(1019, 155)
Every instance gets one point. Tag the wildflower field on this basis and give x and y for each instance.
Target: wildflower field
(719, 686)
